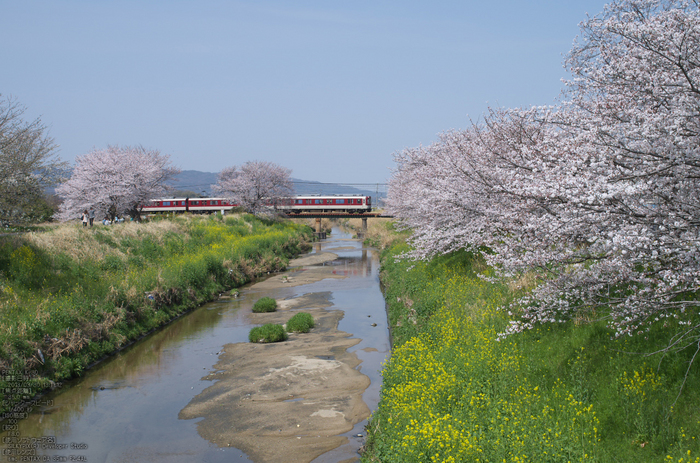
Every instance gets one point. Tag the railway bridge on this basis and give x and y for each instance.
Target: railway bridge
(338, 215)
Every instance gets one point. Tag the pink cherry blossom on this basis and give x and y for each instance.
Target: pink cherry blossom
(599, 195)
(115, 181)
(257, 186)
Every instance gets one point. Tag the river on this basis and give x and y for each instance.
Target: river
(131, 406)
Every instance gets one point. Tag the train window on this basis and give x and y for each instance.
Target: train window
(340, 201)
(166, 203)
(299, 201)
(317, 201)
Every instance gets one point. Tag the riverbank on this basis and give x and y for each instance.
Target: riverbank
(71, 295)
(568, 392)
(132, 406)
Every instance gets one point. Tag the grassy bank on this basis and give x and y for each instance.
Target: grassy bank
(570, 392)
(71, 295)
(380, 231)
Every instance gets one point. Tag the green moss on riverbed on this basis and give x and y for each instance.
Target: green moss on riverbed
(71, 295)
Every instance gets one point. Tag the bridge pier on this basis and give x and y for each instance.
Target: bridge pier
(319, 234)
(361, 235)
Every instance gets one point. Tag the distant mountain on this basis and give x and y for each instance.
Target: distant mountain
(201, 182)
(195, 181)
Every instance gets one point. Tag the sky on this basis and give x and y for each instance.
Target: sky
(329, 89)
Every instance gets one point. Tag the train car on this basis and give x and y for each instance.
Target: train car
(165, 205)
(353, 204)
(209, 205)
(327, 203)
(194, 205)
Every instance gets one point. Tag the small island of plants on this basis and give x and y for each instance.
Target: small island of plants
(301, 322)
(265, 304)
(269, 332)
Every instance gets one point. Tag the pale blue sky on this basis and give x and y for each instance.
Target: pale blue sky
(328, 89)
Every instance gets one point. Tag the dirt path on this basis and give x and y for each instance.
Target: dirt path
(288, 401)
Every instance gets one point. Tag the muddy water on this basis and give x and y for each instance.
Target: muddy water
(148, 404)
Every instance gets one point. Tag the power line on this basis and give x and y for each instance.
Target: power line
(340, 183)
(376, 185)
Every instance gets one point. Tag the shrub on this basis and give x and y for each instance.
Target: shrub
(301, 323)
(265, 304)
(268, 333)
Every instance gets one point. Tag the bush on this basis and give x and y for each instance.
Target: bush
(268, 333)
(301, 323)
(265, 304)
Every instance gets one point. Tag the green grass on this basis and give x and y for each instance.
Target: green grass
(265, 304)
(301, 322)
(267, 333)
(76, 294)
(567, 392)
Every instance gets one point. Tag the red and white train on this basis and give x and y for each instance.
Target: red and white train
(357, 204)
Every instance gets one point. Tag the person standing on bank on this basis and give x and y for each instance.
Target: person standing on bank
(91, 216)
(85, 218)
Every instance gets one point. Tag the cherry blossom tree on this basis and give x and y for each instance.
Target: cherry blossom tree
(28, 163)
(115, 181)
(257, 186)
(599, 194)
(631, 189)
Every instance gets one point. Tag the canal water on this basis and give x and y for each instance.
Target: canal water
(126, 408)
